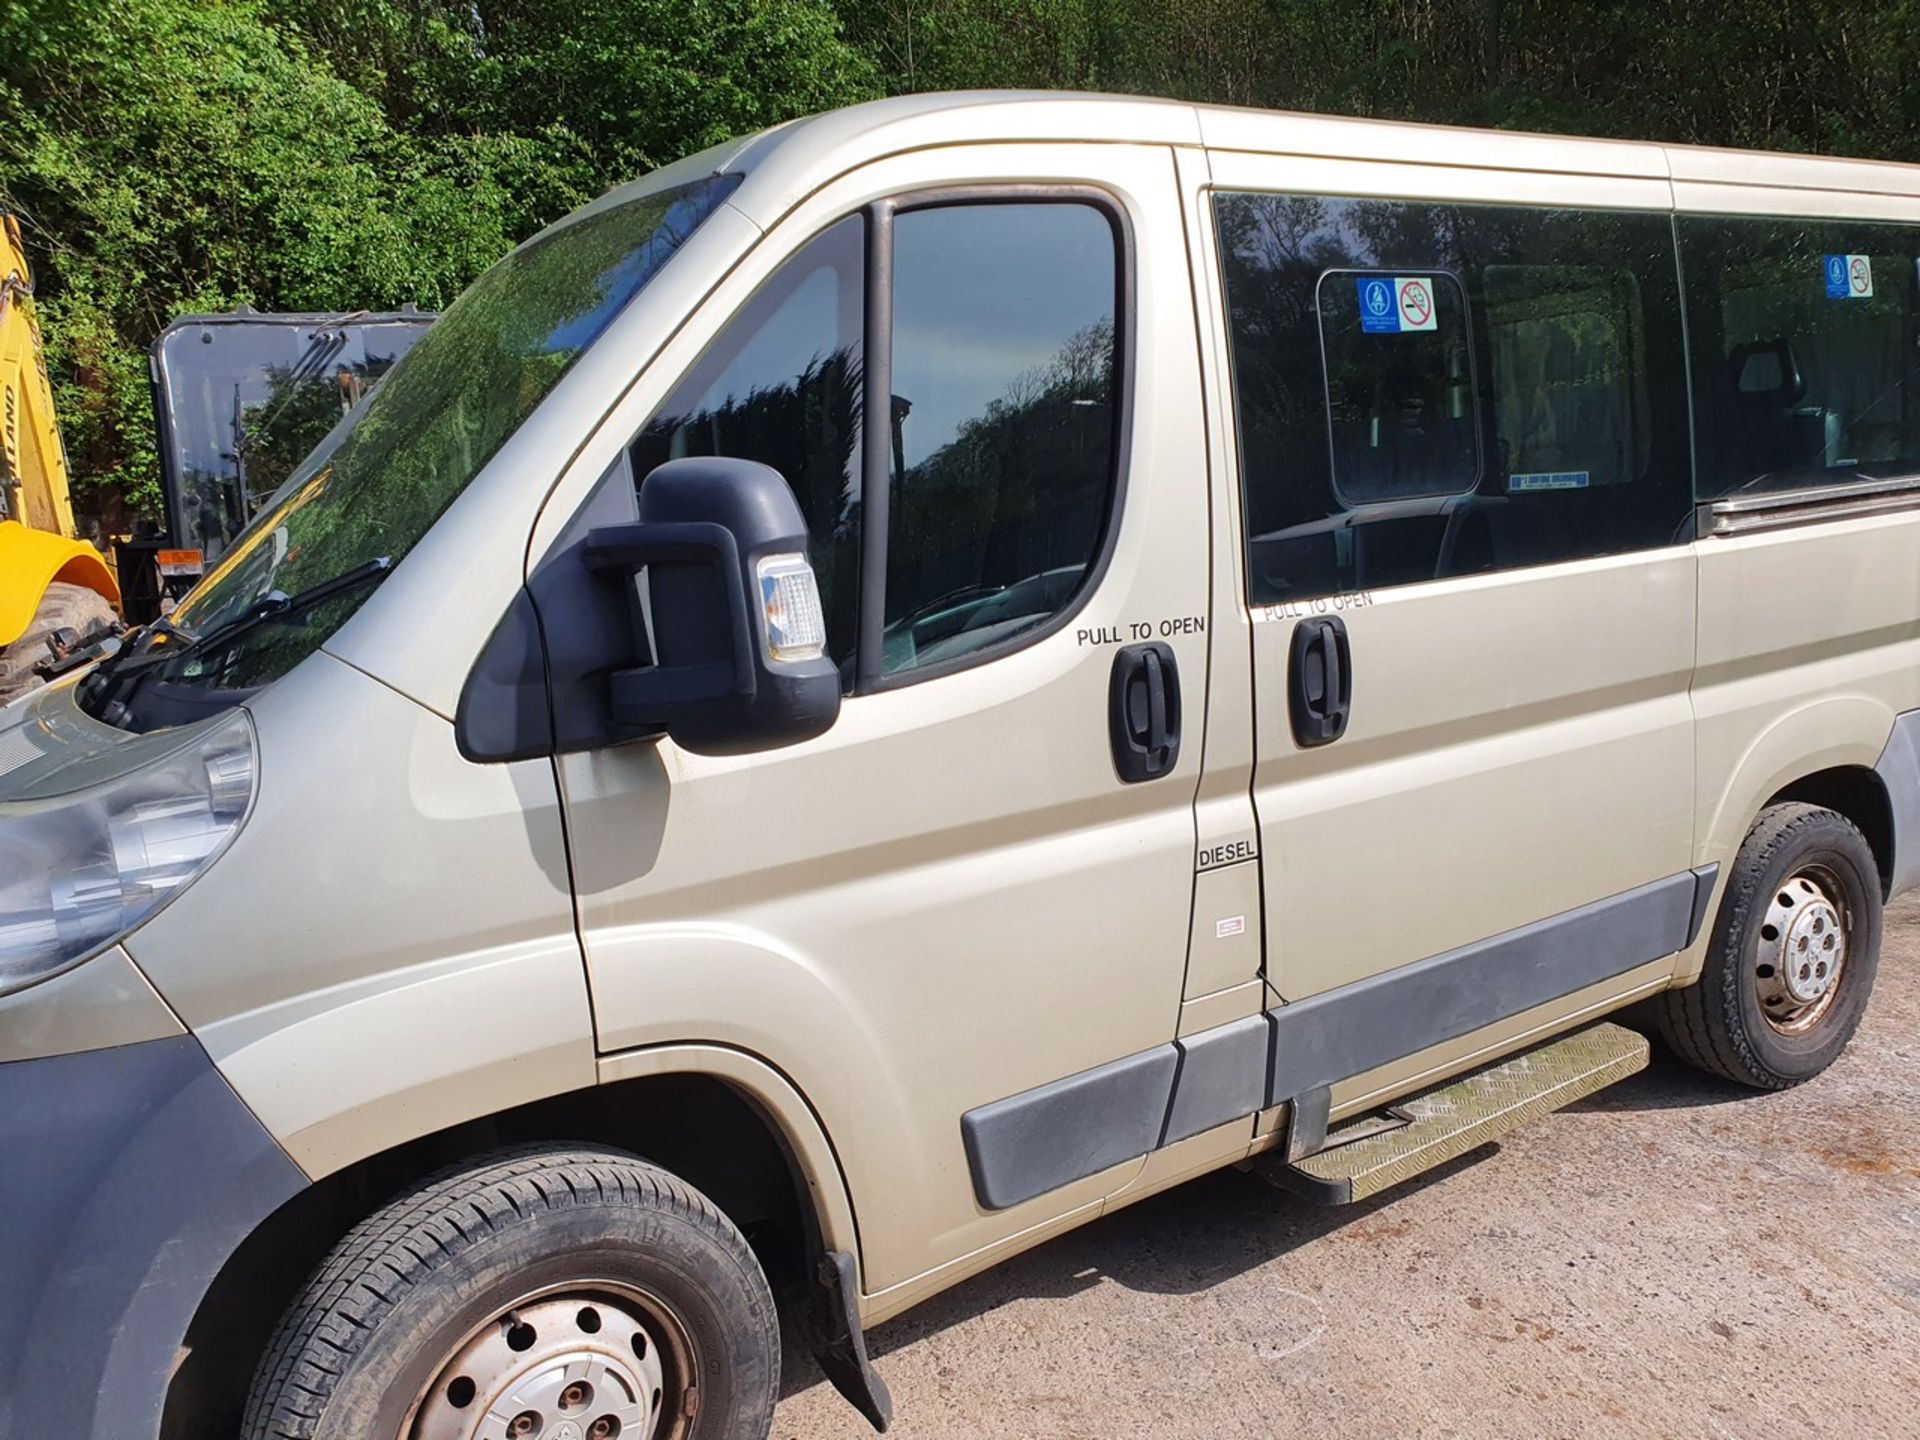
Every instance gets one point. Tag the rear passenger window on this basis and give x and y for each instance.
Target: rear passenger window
(1804, 351)
(1570, 370)
(1004, 407)
(1400, 416)
(1424, 391)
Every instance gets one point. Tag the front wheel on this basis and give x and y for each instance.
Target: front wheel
(544, 1294)
(1792, 958)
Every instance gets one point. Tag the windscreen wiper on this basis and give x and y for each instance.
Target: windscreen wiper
(307, 365)
(129, 654)
(276, 606)
(109, 691)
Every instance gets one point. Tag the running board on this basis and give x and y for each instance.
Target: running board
(1369, 1153)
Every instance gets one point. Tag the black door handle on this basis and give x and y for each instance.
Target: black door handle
(1143, 711)
(1319, 681)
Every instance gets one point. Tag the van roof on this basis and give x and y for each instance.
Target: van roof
(786, 162)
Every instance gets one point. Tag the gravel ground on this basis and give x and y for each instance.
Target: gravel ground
(1672, 1257)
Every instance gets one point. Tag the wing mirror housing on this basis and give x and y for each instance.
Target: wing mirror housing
(724, 608)
(700, 619)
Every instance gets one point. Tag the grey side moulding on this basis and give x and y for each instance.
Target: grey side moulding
(1041, 1139)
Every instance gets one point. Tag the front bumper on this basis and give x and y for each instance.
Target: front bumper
(128, 1176)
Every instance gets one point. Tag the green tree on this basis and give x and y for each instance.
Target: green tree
(612, 87)
(1833, 78)
(170, 156)
(178, 155)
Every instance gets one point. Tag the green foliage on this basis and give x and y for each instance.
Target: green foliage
(178, 155)
(1835, 77)
(170, 156)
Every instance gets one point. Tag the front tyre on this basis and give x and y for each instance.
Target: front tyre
(542, 1294)
(1793, 954)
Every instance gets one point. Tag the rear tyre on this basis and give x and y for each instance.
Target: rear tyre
(541, 1287)
(69, 606)
(1792, 958)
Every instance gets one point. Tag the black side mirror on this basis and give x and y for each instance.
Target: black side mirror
(701, 619)
(724, 604)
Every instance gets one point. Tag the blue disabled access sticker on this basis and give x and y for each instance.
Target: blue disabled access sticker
(1394, 304)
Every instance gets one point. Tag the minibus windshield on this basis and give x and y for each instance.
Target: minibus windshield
(381, 478)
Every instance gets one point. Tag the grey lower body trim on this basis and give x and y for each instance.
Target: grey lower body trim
(1221, 1077)
(1899, 771)
(1044, 1138)
(130, 1176)
(1041, 1139)
(1373, 1022)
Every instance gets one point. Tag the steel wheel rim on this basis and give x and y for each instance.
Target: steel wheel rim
(582, 1360)
(1805, 938)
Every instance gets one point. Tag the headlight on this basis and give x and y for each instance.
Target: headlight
(78, 871)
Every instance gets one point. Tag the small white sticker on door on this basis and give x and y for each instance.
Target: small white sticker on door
(1232, 925)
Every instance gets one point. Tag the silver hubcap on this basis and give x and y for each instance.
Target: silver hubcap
(1803, 950)
(590, 1363)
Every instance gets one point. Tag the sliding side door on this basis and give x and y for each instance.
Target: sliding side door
(1462, 438)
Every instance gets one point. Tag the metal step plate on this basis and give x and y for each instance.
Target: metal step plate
(1430, 1129)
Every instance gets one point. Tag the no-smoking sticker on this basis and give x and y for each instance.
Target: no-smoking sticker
(1416, 305)
(1393, 305)
(1849, 277)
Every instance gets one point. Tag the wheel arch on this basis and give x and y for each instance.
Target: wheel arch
(1858, 793)
(31, 560)
(1836, 733)
(725, 1122)
(1823, 753)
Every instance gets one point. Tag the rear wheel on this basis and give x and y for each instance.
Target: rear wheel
(1793, 954)
(549, 1294)
(64, 606)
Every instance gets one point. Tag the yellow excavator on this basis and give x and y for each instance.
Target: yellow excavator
(53, 586)
(239, 399)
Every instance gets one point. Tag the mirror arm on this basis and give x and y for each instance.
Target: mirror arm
(660, 693)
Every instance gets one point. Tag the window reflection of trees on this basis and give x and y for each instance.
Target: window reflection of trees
(465, 388)
(808, 429)
(1018, 495)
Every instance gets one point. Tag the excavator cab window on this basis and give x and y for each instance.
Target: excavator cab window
(242, 399)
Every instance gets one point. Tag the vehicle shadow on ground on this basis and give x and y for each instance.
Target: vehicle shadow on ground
(1188, 1239)
(1210, 1230)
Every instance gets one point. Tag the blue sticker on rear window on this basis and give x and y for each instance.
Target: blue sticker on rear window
(1849, 277)
(1548, 480)
(1378, 314)
(1395, 304)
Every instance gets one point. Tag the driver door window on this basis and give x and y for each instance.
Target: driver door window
(998, 460)
(782, 386)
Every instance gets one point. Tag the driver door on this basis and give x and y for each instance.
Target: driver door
(954, 896)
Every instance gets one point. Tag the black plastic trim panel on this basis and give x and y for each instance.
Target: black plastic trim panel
(1703, 882)
(1066, 1130)
(1899, 771)
(1341, 1033)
